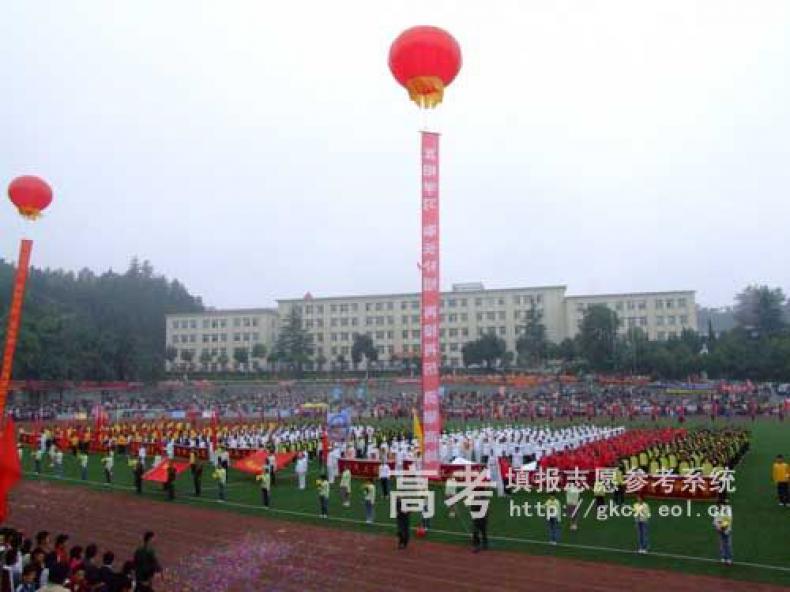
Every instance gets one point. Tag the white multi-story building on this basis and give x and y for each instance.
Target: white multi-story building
(393, 321)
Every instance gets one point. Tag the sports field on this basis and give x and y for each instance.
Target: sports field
(686, 543)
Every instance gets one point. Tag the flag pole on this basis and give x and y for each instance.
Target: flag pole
(14, 319)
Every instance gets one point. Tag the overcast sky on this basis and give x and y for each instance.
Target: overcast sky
(259, 150)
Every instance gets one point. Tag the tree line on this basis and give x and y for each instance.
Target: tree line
(757, 347)
(84, 326)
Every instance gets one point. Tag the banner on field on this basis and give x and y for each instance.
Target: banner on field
(338, 425)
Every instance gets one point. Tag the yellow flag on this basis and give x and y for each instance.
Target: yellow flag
(417, 429)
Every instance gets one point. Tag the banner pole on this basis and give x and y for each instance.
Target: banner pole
(14, 318)
(431, 301)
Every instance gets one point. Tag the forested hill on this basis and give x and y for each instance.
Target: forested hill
(85, 326)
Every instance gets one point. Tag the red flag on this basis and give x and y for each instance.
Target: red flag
(10, 470)
(324, 446)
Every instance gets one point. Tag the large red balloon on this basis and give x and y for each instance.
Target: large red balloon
(30, 195)
(425, 60)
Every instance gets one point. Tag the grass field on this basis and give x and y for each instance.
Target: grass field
(761, 528)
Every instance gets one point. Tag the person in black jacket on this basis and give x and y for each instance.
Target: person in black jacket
(170, 484)
(146, 565)
(402, 519)
(138, 476)
(197, 476)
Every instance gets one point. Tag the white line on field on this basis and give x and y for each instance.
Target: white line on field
(264, 511)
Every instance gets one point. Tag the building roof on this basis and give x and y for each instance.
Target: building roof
(459, 293)
(223, 311)
(631, 294)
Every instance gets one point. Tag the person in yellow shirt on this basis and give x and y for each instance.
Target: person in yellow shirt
(642, 519)
(781, 476)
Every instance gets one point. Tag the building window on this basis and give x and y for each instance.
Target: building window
(344, 322)
(631, 305)
(333, 308)
(415, 304)
(390, 305)
(237, 337)
(415, 318)
(501, 315)
(463, 302)
(353, 321)
(319, 309)
(480, 316)
(333, 321)
(659, 303)
(404, 319)
(684, 320)
(643, 321)
(681, 303)
(379, 334)
(465, 332)
(344, 308)
(404, 334)
(491, 316)
(478, 302)
(660, 321)
(378, 305)
(670, 303)
(344, 337)
(354, 307)
(671, 320)
(333, 337)
(404, 305)
(619, 306)
(503, 330)
(452, 302)
(415, 334)
(246, 337)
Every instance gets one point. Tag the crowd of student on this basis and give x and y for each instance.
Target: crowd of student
(39, 564)
(383, 399)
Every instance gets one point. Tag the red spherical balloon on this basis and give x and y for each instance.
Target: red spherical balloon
(421, 532)
(30, 195)
(425, 60)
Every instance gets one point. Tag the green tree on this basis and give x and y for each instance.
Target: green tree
(187, 355)
(363, 347)
(486, 350)
(532, 344)
(223, 360)
(205, 359)
(760, 309)
(294, 344)
(258, 353)
(598, 336)
(84, 326)
(171, 353)
(241, 356)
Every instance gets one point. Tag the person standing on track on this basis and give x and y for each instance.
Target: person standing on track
(170, 483)
(301, 470)
(266, 485)
(642, 519)
(345, 487)
(722, 522)
(402, 520)
(107, 461)
(221, 476)
(138, 476)
(369, 497)
(553, 512)
(197, 476)
(323, 495)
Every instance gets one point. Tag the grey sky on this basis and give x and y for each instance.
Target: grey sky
(257, 150)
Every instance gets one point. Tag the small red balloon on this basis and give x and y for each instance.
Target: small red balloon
(425, 60)
(31, 195)
(421, 532)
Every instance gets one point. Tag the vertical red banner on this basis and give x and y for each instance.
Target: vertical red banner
(14, 317)
(431, 302)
